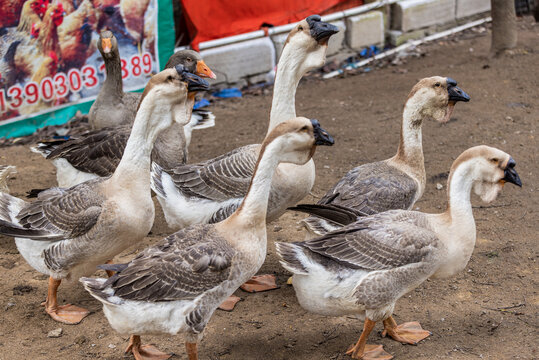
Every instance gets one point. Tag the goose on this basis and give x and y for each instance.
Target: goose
(115, 107)
(66, 233)
(398, 182)
(5, 172)
(363, 268)
(210, 191)
(176, 285)
(97, 153)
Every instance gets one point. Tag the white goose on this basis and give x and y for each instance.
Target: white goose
(211, 191)
(175, 286)
(363, 268)
(66, 233)
(398, 182)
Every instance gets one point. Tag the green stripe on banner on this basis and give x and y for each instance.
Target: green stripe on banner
(166, 40)
(166, 31)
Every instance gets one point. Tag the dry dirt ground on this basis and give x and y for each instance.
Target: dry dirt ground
(487, 311)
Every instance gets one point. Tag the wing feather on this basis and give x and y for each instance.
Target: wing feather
(182, 266)
(220, 179)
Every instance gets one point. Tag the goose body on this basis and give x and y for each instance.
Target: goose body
(365, 266)
(175, 286)
(66, 233)
(97, 153)
(212, 190)
(398, 182)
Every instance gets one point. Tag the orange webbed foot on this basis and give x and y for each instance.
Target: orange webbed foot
(144, 352)
(371, 352)
(229, 303)
(68, 314)
(407, 333)
(260, 283)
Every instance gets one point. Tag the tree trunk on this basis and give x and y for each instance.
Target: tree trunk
(504, 27)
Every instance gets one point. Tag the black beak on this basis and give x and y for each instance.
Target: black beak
(321, 136)
(456, 93)
(320, 30)
(510, 174)
(194, 82)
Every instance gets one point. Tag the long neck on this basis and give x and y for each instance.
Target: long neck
(151, 119)
(410, 148)
(283, 106)
(254, 207)
(112, 86)
(456, 226)
(459, 189)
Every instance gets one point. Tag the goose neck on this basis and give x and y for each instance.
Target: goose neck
(150, 121)
(112, 86)
(283, 106)
(253, 210)
(410, 148)
(456, 226)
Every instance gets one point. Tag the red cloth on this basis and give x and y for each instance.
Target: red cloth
(214, 19)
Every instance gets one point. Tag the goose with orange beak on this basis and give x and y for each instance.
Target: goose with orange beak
(115, 107)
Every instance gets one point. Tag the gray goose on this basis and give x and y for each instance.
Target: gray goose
(66, 233)
(210, 191)
(115, 107)
(97, 153)
(398, 182)
(176, 285)
(363, 268)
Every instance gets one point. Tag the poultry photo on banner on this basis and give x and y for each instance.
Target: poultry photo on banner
(50, 65)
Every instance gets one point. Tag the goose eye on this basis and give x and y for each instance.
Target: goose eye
(189, 59)
(437, 84)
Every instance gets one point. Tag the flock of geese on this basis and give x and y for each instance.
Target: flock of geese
(364, 247)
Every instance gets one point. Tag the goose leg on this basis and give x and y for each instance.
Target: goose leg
(144, 352)
(407, 333)
(368, 352)
(192, 351)
(260, 283)
(67, 314)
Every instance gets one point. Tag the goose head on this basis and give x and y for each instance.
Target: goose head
(192, 61)
(295, 140)
(107, 45)
(488, 168)
(307, 43)
(168, 91)
(435, 97)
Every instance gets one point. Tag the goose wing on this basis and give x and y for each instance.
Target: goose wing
(220, 179)
(97, 152)
(380, 242)
(182, 266)
(60, 213)
(373, 188)
(398, 255)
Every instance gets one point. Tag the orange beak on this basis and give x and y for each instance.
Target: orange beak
(204, 70)
(106, 45)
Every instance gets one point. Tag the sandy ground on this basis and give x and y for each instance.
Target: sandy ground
(487, 311)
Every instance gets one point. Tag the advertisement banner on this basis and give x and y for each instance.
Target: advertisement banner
(50, 66)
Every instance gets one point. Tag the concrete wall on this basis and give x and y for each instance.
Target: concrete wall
(251, 61)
